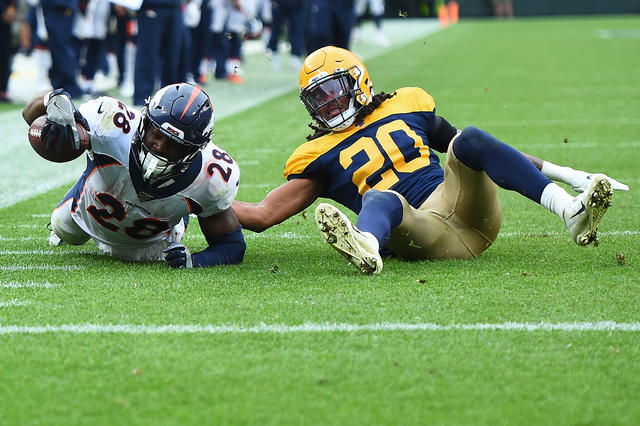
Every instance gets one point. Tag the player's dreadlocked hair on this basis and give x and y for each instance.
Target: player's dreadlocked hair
(366, 110)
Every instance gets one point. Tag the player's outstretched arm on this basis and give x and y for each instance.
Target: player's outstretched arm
(226, 243)
(288, 199)
(62, 118)
(578, 180)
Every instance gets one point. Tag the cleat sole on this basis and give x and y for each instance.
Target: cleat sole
(599, 202)
(340, 234)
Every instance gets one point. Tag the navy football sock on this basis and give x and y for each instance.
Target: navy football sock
(506, 166)
(380, 213)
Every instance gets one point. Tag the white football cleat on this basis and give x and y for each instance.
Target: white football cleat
(583, 180)
(54, 240)
(584, 214)
(359, 248)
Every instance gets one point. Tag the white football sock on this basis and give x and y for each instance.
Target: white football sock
(561, 173)
(554, 198)
(129, 63)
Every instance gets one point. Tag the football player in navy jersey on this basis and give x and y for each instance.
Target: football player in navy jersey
(146, 173)
(374, 154)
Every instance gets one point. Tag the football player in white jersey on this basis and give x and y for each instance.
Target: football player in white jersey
(146, 173)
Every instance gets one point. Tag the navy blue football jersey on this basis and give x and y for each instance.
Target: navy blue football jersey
(389, 151)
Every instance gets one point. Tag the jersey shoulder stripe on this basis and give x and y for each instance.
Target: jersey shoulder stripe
(406, 100)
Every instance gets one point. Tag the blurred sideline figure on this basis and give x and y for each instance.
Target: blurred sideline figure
(375, 155)
(7, 15)
(59, 17)
(287, 14)
(376, 10)
(146, 173)
(159, 43)
(227, 24)
(329, 23)
(122, 44)
(503, 8)
(33, 41)
(90, 28)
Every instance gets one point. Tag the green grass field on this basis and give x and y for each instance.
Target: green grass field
(526, 334)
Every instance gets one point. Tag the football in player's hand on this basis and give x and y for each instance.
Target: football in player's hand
(60, 151)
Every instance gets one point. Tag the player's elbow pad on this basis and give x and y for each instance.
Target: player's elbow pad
(224, 249)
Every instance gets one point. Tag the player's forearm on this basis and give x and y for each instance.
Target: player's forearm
(253, 217)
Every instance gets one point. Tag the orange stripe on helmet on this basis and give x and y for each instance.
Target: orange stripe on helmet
(194, 94)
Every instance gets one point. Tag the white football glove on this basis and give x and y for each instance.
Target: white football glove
(178, 256)
(62, 112)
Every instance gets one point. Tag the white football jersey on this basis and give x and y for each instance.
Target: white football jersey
(112, 203)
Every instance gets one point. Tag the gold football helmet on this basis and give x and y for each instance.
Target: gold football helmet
(334, 86)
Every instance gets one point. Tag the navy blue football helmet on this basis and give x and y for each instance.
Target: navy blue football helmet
(183, 112)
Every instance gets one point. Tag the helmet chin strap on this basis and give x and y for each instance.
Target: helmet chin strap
(345, 124)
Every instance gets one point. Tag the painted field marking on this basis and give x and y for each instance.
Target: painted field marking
(28, 252)
(584, 145)
(555, 234)
(562, 122)
(314, 328)
(260, 185)
(13, 302)
(28, 284)
(20, 238)
(40, 268)
(619, 33)
(44, 252)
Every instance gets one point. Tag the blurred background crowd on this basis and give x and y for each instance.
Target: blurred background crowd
(140, 45)
(136, 46)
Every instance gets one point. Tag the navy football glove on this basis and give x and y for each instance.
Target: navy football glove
(178, 256)
(62, 116)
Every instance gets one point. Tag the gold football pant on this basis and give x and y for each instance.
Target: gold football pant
(459, 220)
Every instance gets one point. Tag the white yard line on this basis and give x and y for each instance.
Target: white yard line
(40, 268)
(555, 234)
(28, 284)
(13, 302)
(60, 252)
(29, 252)
(21, 238)
(585, 144)
(563, 122)
(608, 326)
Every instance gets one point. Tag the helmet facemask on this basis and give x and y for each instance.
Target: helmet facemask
(154, 167)
(333, 99)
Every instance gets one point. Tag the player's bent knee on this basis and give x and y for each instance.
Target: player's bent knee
(66, 229)
(373, 195)
(383, 201)
(472, 145)
(469, 143)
